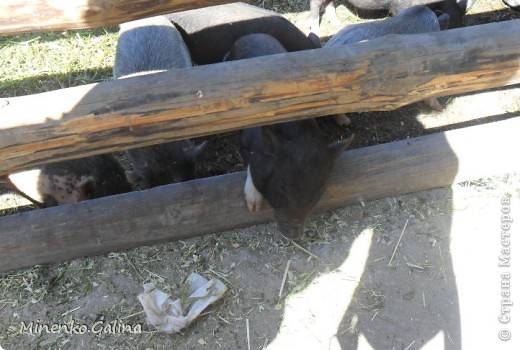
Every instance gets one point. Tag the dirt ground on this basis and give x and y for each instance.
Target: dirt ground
(418, 271)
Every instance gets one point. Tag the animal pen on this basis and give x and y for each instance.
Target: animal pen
(104, 117)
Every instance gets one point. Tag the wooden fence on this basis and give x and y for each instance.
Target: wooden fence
(98, 118)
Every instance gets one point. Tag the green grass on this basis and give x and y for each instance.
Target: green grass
(40, 62)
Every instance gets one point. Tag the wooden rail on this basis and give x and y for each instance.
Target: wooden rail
(216, 204)
(379, 75)
(22, 16)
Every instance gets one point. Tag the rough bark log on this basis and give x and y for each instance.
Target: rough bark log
(216, 204)
(18, 16)
(383, 74)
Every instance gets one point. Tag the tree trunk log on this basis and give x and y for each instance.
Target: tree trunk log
(18, 16)
(382, 74)
(216, 204)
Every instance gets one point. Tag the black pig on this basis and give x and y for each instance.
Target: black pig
(162, 164)
(413, 20)
(70, 181)
(146, 46)
(289, 163)
(455, 9)
(209, 32)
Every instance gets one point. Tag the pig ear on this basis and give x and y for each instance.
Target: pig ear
(86, 189)
(270, 140)
(336, 148)
(194, 151)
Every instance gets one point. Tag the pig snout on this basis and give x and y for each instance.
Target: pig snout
(290, 227)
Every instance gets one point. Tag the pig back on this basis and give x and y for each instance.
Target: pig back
(149, 44)
(210, 32)
(414, 20)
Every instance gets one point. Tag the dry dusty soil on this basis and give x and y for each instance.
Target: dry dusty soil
(417, 271)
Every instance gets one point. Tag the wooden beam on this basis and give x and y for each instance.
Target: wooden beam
(383, 74)
(216, 204)
(22, 16)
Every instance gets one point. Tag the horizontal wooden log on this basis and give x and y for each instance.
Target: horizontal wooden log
(22, 16)
(383, 74)
(216, 204)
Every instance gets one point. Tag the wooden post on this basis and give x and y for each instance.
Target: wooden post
(22, 16)
(216, 204)
(378, 75)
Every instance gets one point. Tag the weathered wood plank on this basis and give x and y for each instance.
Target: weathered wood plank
(22, 16)
(379, 75)
(216, 204)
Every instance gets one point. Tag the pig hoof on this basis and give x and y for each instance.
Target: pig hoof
(334, 20)
(315, 27)
(342, 119)
(434, 104)
(330, 15)
(254, 198)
